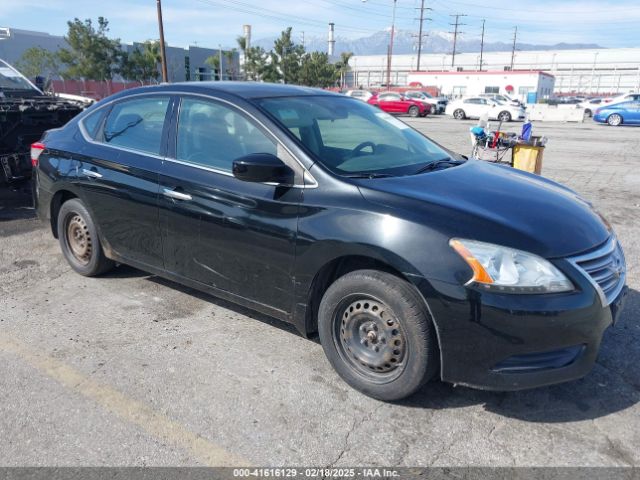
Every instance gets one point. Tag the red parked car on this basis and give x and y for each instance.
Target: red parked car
(394, 102)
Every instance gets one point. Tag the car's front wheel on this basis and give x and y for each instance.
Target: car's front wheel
(459, 114)
(614, 120)
(414, 111)
(377, 334)
(504, 116)
(79, 240)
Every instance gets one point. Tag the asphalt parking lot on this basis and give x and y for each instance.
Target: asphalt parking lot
(130, 369)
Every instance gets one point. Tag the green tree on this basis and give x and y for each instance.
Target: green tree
(242, 45)
(37, 61)
(92, 55)
(214, 62)
(317, 71)
(256, 64)
(229, 56)
(286, 56)
(141, 64)
(342, 66)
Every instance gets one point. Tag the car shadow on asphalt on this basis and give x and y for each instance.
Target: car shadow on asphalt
(612, 386)
(16, 202)
(274, 322)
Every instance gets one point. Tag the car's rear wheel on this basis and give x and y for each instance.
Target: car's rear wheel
(79, 240)
(459, 114)
(377, 334)
(414, 111)
(614, 120)
(504, 116)
(588, 113)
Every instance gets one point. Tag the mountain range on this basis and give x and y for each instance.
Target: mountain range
(405, 43)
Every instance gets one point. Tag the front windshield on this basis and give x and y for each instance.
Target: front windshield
(350, 137)
(11, 79)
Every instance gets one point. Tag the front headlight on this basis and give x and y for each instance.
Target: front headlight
(507, 270)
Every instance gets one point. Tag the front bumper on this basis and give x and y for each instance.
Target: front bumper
(512, 342)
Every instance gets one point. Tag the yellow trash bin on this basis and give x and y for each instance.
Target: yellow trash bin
(528, 158)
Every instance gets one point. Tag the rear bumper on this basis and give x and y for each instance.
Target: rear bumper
(514, 342)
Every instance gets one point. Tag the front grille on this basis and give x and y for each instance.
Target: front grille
(605, 268)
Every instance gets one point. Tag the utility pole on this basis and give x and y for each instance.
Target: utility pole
(420, 35)
(390, 50)
(163, 55)
(482, 44)
(455, 32)
(513, 49)
(302, 38)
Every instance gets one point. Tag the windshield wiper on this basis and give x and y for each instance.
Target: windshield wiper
(368, 175)
(439, 165)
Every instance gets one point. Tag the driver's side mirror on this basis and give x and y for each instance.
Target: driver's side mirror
(262, 168)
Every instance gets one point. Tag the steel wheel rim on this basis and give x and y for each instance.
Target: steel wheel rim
(79, 239)
(370, 338)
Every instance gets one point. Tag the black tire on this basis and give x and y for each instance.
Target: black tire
(614, 120)
(357, 314)
(588, 113)
(79, 240)
(504, 116)
(459, 114)
(413, 111)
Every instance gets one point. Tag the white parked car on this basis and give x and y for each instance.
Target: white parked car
(475, 107)
(591, 105)
(627, 97)
(501, 98)
(438, 104)
(363, 95)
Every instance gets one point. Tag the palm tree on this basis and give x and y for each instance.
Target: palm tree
(229, 55)
(242, 44)
(343, 67)
(214, 62)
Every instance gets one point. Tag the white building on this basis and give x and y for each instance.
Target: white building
(458, 84)
(592, 71)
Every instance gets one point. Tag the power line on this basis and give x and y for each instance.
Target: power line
(455, 35)
(420, 35)
(275, 15)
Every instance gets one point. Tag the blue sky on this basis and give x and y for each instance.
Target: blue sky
(610, 23)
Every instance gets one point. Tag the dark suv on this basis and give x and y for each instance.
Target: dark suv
(408, 260)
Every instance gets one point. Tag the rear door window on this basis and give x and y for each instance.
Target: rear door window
(137, 124)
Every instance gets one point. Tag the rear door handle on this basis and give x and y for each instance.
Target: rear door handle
(176, 195)
(91, 173)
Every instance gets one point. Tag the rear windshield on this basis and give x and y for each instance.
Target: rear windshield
(351, 137)
(11, 79)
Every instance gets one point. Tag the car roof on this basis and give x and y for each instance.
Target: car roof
(246, 90)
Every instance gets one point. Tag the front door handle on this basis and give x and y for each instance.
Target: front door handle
(175, 194)
(91, 173)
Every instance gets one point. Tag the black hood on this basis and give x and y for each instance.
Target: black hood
(495, 204)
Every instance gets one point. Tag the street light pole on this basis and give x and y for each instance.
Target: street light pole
(163, 55)
(220, 62)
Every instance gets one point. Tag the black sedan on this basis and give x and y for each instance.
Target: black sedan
(320, 210)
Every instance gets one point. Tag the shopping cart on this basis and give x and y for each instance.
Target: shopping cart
(492, 146)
